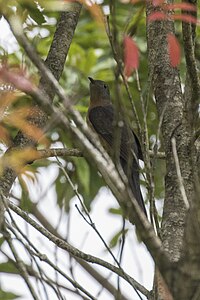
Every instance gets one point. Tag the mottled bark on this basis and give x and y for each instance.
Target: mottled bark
(171, 105)
(55, 62)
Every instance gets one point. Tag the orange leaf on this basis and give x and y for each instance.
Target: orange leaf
(18, 158)
(5, 136)
(174, 50)
(131, 56)
(95, 10)
(19, 118)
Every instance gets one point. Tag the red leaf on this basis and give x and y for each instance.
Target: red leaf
(186, 18)
(158, 2)
(17, 78)
(174, 50)
(157, 16)
(183, 6)
(131, 56)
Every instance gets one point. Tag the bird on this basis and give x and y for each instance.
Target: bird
(100, 118)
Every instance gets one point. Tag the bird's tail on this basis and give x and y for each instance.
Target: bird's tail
(135, 187)
(134, 182)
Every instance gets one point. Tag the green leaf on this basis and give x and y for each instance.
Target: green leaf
(8, 267)
(8, 295)
(2, 240)
(114, 241)
(34, 12)
(37, 16)
(64, 191)
(115, 211)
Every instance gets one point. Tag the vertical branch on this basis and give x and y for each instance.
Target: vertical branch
(55, 62)
(192, 84)
(175, 124)
(170, 105)
(150, 180)
(20, 265)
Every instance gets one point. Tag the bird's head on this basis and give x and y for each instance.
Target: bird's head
(99, 91)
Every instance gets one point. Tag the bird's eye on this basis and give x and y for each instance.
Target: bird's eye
(105, 86)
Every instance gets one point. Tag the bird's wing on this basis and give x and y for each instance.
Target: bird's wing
(102, 118)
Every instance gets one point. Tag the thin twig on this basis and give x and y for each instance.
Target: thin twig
(118, 60)
(149, 174)
(11, 228)
(74, 251)
(121, 250)
(20, 265)
(179, 176)
(36, 275)
(65, 152)
(90, 221)
(43, 257)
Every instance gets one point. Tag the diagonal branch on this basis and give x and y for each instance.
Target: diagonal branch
(87, 139)
(99, 278)
(74, 251)
(60, 45)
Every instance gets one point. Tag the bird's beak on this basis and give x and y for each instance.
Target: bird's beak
(91, 79)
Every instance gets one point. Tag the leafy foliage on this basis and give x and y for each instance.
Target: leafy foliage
(103, 50)
(90, 54)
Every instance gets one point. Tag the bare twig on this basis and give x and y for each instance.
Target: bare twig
(65, 152)
(153, 210)
(179, 176)
(90, 222)
(62, 152)
(20, 265)
(43, 257)
(37, 275)
(96, 275)
(74, 251)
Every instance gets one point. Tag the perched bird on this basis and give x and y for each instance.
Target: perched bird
(101, 117)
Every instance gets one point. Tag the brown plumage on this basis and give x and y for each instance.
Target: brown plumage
(100, 118)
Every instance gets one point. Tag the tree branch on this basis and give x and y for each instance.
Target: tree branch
(65, 152)
(170, 103)
(74, 251)
(58, 52)
(87, 139)
(192, 77)
(60, 45)
(96, 275)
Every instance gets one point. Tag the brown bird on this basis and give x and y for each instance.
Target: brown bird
(101, 117)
